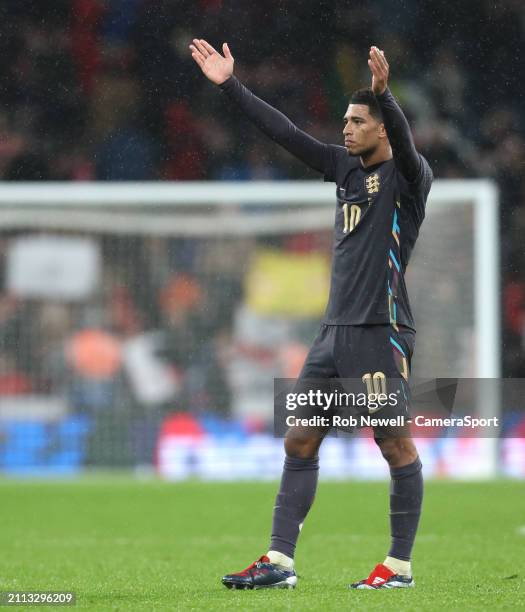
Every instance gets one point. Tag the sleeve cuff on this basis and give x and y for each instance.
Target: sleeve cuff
(228, 83)
(384, 96)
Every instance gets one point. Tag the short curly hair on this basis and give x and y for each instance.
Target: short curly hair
(367, 98)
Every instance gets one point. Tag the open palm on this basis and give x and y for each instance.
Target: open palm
(214, 66)
(380, 70)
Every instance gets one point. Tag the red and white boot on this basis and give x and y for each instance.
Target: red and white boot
(383, 577)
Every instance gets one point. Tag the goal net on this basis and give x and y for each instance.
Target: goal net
(143, 324)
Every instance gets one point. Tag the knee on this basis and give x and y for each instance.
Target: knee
(302, 448)
(397, 451)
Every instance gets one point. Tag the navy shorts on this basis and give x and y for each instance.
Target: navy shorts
(363, 360)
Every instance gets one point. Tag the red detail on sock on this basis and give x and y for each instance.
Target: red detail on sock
(380, 574)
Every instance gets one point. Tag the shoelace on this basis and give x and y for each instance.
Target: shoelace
(255, 565)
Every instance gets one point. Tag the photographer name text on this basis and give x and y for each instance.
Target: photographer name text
(399, 421)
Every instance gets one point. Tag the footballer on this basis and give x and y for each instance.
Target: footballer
(382, 184)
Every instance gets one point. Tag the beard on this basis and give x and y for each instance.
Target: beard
(362, 151)
(366, 151)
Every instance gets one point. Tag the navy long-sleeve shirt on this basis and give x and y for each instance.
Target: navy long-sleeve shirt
(378, 213)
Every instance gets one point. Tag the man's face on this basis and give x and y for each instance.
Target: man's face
(362, 133)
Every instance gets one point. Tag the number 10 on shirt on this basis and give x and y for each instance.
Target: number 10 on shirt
(351, 217)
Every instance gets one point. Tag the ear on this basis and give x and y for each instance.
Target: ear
(381, 130)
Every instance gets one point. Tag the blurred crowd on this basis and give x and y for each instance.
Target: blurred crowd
(164, 330)
(107, 90)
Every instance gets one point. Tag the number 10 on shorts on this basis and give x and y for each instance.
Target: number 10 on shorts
(375, 386)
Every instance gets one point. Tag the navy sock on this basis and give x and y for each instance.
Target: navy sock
(406, 497)
(295, 497)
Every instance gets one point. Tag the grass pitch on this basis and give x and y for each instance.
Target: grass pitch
(127, 545)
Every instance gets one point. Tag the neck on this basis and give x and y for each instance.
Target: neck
(381, 154)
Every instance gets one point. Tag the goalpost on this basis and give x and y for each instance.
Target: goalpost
(452, 279)
(166, 209)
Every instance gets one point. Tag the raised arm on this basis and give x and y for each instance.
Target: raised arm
(219, 70)
(406, 157)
